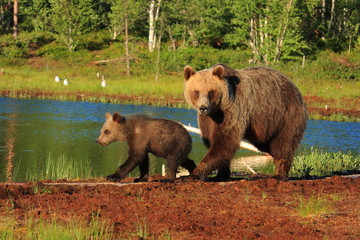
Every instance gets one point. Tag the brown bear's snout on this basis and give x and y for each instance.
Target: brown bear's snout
(203, 109)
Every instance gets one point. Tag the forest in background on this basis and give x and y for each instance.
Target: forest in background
(276, 30)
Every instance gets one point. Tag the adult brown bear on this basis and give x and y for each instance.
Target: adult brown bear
(258, 104)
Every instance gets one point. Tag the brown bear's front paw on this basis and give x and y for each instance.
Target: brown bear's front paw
(186, 179)
(198, 175)
(218, 179)
(167, 180)
(114, 178)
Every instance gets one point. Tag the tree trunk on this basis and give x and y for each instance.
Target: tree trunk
(16, 9)
(323, 21)
(283, 29)
(127, 47)
(252, 39)
(172, 40)
(158, 54)
(153, 17)
(332, 13)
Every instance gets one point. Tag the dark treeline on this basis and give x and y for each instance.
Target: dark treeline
(274, 30)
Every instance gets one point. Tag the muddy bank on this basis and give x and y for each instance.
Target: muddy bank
(241, 209)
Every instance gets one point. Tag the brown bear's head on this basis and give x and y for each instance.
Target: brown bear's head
(112, 130)
(204, 89)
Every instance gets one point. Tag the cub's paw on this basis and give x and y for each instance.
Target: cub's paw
(140, 180)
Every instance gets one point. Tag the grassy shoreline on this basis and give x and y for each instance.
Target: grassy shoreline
(331, 89)
(315, 113)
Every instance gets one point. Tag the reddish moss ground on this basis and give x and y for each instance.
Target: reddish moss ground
(242, 209)
(346, 107)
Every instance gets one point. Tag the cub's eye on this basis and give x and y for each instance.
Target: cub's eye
(106, 131)
(196, 93)
(211, 93)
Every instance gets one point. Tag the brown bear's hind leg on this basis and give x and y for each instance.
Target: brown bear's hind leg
(282, 148)
(282, 168)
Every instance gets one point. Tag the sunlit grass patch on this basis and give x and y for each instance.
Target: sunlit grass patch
(319, 163)
(313, 206)
(60, 167)
(76, 228)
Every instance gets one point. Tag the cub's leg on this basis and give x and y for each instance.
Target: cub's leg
(172, 165)
(188, 164)
(144, 170)
(136, 156)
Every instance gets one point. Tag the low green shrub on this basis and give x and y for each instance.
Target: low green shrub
(319, 163)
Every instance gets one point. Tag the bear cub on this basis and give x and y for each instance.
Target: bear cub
(161, 137)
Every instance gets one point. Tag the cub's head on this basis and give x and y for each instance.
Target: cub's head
(112, 130)
(204, 90)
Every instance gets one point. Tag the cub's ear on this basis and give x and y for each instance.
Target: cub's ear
(188, 72)
(108, 115)
(118, 118)
(219, 71)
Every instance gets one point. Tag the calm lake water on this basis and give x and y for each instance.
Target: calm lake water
(31, 130)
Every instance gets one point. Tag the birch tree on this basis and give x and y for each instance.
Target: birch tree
(264, 26)
(154, 11)
(72, 18)
(15, 19)
(124, 13)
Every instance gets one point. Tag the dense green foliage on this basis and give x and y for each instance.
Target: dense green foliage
(279, 30)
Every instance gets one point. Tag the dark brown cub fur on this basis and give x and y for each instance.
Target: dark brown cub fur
(161, 137)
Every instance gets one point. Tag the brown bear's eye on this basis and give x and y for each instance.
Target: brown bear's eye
(211, 94)
(106, 131)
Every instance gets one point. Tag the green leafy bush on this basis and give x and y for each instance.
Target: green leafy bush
(318, 163)
(16, 50)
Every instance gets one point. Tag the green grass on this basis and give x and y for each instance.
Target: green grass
(313, 206)
(76, 228)
(334, 117)
(309, 163)
(61, 167)
(319, 163)
(322, 74)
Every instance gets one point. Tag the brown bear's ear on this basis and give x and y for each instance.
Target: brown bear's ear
(108, 115)
(219, 71)
(118, 118)
(188, 72)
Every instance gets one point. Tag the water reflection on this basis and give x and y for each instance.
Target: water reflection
(10, 137)
(31, 130)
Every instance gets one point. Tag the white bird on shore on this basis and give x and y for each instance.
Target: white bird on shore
(66, 83)
(103, 83)
(57, 79)
(98, 75)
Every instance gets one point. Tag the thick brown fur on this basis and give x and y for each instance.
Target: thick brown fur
(161, 137)
(258, 104)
